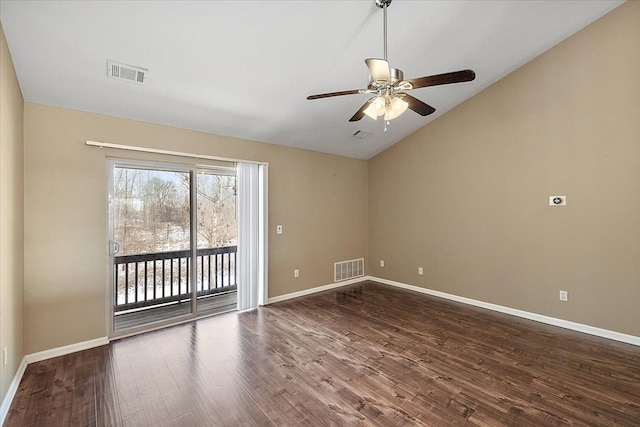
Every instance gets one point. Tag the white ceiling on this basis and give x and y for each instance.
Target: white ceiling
(244, 68)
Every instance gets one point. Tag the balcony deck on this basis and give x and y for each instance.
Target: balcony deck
(213, 304)
(152, 287)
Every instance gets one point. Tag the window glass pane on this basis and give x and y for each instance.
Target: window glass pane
(151, 225)
(217, 241)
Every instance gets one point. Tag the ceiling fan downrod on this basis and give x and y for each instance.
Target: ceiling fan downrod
(383, 4)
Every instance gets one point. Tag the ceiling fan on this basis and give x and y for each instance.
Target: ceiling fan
(390, 87)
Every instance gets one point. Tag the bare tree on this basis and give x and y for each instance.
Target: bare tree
(153, 210)
(217, 224)
(127, 206)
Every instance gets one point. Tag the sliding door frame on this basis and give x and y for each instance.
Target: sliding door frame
(193, 170)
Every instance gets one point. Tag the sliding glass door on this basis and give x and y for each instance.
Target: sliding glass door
(164, 220)
(217, 230)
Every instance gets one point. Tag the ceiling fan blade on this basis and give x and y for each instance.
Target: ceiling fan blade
(443, 79)
(360, 113)
(418, 106)
(330, 94)
(379, 69)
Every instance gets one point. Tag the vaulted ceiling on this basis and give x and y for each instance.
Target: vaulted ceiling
(244, 68)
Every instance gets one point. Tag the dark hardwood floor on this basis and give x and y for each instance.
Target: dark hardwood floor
(366, 354)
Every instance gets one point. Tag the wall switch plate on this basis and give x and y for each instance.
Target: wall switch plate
(564, 296)
(278, 229)
(296, 273)
(381, 263)
(420, 271)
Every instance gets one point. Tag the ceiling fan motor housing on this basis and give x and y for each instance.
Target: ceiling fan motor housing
(396, 75)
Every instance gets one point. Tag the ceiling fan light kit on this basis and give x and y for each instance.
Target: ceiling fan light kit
(386, 106)
(389, 87)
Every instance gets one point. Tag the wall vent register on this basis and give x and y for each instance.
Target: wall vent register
(350, 269)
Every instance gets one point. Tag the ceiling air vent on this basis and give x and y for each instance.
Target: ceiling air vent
(360, 133)
(130, 73)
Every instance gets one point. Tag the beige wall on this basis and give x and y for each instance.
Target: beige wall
(320, 199)
(466, 197)
(11, 219)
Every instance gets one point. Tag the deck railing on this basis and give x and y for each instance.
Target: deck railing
(152, 279)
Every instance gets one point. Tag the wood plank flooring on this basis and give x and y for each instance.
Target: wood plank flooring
(367, 355)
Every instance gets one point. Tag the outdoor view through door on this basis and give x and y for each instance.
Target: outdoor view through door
(156, 217)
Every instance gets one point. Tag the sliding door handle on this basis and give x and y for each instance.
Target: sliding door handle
(114, 248)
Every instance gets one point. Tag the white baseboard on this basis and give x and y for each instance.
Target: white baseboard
(67, 349)
(317, 289)
(11, 392)
(579, 327)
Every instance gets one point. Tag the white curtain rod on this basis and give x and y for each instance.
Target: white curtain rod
(168, 152)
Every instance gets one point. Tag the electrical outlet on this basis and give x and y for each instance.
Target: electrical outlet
(564, 296)
(296, 273)
(5, 356)
(381, 263)
(420, 271)
(278, 229)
